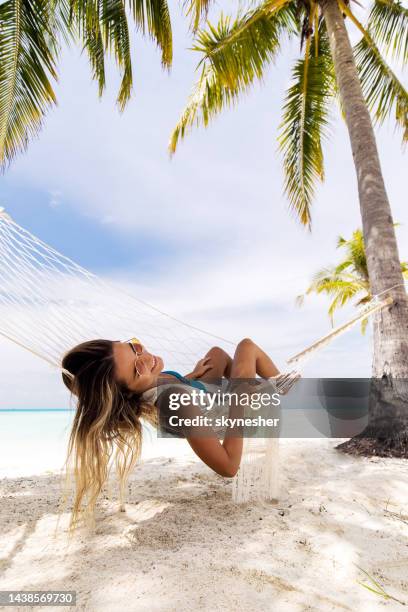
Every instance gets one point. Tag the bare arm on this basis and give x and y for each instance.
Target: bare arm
(177, 405)
(249, 360)
(224, 458)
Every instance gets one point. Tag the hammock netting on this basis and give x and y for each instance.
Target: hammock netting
(48, 304)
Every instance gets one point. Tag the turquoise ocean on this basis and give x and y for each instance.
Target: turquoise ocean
(34, 441)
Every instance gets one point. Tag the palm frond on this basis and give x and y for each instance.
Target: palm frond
(363, 325)
(208, 98)
(388, 23)
(383, 91)
(115, 33)
(343, 288)
(305, 123)
(28, 55)
(344, 265)
(153, 17)
(356, 255)
(235, 54)
(247, 27)
(365, 299)
(404, 268)
(329, 281)
(239, 50)
(345, 292)
(346, 280)
(197, 11)
(61, 20)
(85, 18)
(103, 27)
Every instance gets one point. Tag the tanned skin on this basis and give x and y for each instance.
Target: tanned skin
(249, 361)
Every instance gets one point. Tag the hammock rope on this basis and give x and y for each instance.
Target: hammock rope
(49, 303)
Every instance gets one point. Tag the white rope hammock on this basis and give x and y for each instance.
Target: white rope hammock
(48, 304)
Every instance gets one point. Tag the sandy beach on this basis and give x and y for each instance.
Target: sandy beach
(183, 545)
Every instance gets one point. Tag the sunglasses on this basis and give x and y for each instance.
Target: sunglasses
(135, 345)
(137, 348)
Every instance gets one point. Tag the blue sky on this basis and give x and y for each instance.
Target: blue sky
(207, 235)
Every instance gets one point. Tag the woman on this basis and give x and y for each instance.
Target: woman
(114, 383)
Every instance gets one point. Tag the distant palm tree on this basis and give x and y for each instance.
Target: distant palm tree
(31, 36)
(236, 53)
(348, 279)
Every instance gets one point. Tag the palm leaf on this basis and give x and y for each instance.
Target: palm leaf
(85, 19)
(341, 286)
(305, 122)
(344, 265)
(348, 279)
(197, 11)
(28, 55)
(363, 325)
(240, 50)
(383, 92)
(356, 255)
(404, 268)
(115, 32)
(208, 98)
(345, 292)
(103, 27)
(235, 54)
(60, 16)
(153, 17)
(382, 89)
(344, 289)
(388, 23)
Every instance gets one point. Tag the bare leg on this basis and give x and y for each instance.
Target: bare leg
(250, 360)
(221, 365)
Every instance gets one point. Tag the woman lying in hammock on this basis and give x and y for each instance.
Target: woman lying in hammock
(114, 383)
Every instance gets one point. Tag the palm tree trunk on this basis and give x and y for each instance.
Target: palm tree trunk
(390, 363)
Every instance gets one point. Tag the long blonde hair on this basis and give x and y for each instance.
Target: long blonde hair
(106, 429)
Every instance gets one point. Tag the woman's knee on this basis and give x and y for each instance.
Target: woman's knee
(246, 342)
(218, 352)
(221, 361)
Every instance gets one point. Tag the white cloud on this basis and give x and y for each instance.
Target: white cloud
(55, 198)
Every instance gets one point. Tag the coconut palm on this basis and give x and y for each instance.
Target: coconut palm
(31, 36)
(235, 54)
(348, 280)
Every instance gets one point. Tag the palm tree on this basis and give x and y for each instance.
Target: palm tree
(31, 37)
(235, 54)
(348, 280)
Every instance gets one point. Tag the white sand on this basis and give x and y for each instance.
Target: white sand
(182, 545)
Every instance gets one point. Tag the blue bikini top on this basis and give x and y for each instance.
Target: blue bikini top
(192, 383)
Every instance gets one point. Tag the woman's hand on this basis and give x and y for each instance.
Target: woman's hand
(201, 368)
